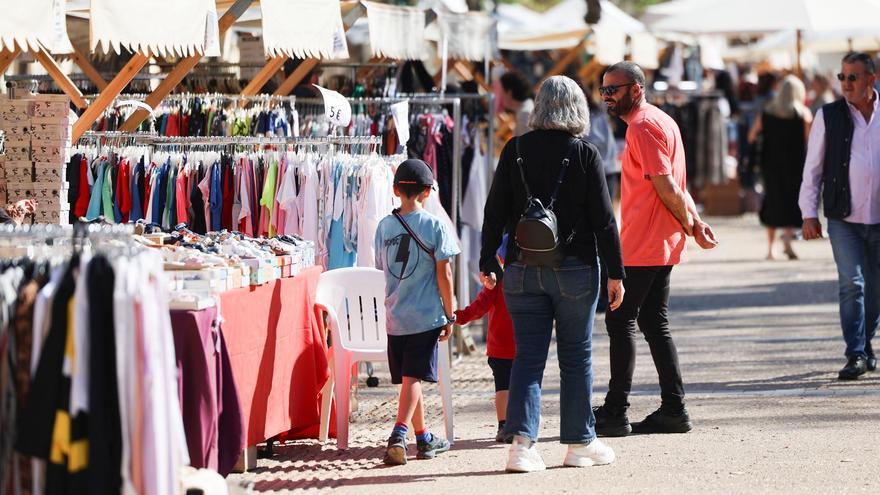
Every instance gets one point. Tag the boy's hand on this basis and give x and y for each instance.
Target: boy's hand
(445, 333)
(489, 281)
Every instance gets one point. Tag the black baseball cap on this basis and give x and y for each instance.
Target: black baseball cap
(414, 171)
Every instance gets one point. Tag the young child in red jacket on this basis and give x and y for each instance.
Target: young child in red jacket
(500, 345)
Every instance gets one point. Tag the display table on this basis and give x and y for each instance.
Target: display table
(278, 356)
(212, 416)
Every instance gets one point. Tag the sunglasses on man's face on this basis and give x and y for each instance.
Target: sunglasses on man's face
(611, 89)
(847, 77)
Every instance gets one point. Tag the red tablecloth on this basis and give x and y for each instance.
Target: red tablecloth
(278, 355)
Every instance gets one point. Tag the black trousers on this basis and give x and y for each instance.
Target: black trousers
(645, 302)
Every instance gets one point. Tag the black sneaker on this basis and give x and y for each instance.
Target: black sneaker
(661, 421)
(872, 359)
(432, 447)
(611, 422)
(395, 454)
(855, 367)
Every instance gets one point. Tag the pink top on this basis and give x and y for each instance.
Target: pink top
(182, 197)
(205, 188)
(864, 168)
(650, 235)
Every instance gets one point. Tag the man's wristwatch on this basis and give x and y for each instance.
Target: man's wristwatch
(450, 319)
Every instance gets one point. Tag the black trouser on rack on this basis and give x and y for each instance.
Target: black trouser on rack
(645, 302)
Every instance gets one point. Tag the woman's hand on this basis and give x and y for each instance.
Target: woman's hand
(615, 293)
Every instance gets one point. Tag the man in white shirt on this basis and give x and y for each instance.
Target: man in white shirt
(843, 164)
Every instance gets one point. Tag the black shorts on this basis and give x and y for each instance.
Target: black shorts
(501, 372)
(414, 356)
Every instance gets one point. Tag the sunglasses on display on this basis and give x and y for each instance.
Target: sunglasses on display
(610, 90)
(844, 77)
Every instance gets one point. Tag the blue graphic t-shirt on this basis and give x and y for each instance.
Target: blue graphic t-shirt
(412, 298)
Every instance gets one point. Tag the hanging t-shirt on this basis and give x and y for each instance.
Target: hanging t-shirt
(267, 200)
(94, 209)
(205, 189)
(216, 198)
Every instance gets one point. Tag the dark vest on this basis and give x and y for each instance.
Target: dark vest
(836, 194)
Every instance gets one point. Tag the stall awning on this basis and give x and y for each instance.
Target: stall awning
(160, 27)
(397, 32)
(303, 28)
(33, 24)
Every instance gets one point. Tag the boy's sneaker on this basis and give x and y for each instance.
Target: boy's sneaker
(661, 421)
(523, 456)
(611, 422)
(502, 437)
(594, 453)
(429, 449)
(395, 453)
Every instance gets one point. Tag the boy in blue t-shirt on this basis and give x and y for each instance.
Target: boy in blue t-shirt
(418, 303)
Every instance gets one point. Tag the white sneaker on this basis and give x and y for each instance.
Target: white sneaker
(523, 456)
(594, 453)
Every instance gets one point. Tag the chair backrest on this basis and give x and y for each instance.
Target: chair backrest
(357, 295)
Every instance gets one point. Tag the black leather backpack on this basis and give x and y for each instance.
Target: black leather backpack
(537, 231)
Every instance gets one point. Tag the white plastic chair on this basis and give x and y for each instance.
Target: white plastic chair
(354, 300)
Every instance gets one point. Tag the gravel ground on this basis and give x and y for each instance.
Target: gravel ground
(759, 346)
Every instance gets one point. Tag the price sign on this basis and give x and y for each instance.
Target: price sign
(336, 107)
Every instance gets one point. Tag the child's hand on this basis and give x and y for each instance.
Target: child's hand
(489, 281)
(445, 333)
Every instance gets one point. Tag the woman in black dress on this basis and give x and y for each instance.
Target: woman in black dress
(784, 126)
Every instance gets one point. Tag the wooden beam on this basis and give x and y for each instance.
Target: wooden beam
(301, 71)
(7, 57)
(181, 70)
(471, 75)
(60, 77)
(267, 72)
(88, 69)
(350, 14)
(134, 65)
(565, 61)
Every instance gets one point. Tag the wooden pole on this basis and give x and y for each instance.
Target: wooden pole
(60, 77)
(564, 62)
(88, 69)
(355, 12)
(181, 70)
(267, 72)
(7, 57)
(134, 65)
(800, 72)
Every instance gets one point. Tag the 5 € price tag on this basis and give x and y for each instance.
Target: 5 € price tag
(336, 107)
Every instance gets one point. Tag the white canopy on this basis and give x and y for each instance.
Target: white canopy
(726, 16)
(563, 26)
(32, 24)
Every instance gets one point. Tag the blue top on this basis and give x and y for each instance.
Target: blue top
(412, 297)
(95, 204)
(137, 211)
(216, 200)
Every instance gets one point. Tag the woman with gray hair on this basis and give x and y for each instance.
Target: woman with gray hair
(554, 165)
(784, 126)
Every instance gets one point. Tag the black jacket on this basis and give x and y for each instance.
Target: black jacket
(582, 203)
(836, 194)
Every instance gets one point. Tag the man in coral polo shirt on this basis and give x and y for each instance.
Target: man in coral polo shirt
(657, 215)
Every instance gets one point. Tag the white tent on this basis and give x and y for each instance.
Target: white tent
(563, 26)
(762, 16)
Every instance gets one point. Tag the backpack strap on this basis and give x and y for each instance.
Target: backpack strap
(565, 162)
(522, 174)
(409, 230)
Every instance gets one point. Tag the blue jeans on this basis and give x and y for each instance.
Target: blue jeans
(856, 250)
(536, 297)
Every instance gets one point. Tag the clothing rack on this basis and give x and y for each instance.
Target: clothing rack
(24, 240)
